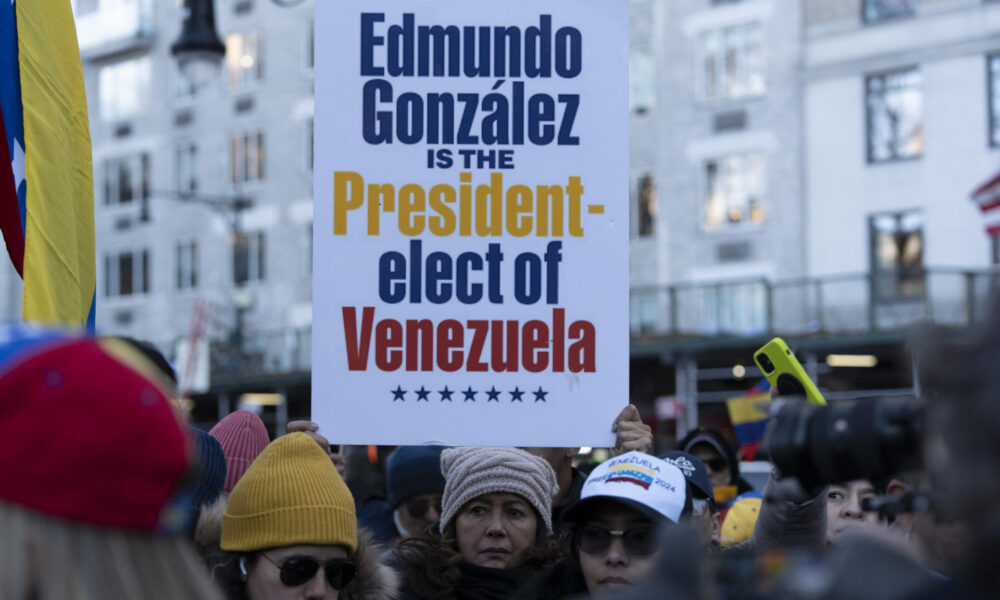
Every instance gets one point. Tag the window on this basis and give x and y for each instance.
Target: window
(897, 255)
(895, 116)
(126, 179)
(187, 265)
(883, 10)
(309, 248)
(124, 89)
(183, 87)
(85, 7)
(310, 140)
(734, 190)
(731, 62)
(644, 199)
(643, 313)
(246, 157)
(993, 66)
(126, 273)
(642, 82)
(310, 44)
(186, 168)
(248, 258)
(643, 33)
(243, 58)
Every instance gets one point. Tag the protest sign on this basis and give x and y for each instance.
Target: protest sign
(471, 221)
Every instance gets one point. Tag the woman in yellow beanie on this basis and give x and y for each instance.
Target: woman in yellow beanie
(289, 531)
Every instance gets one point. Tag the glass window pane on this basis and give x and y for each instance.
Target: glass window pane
(897, 255)
(260, 257)
(994, 85)
(881, 10)
(124, 89)
(731, 62)
(145, 271)
(243, 57)
(895, 115)
(125, 274)
(735, 188)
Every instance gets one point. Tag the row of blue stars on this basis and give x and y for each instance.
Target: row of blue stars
(492, 395)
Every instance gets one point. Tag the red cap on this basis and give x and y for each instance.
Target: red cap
(243, 437)
(87, 438)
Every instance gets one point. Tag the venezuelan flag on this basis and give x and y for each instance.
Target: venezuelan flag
(46, 177)
(749, 417)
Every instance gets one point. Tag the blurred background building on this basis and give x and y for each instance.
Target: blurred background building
(798, 168)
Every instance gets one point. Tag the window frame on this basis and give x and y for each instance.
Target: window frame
(705, 189)
(140, 188)
(876, 271)
(109, 76)
(865, 19)
(238, 141)
(756, 26)
(255, 244)
(993, 100)
(309, 148)
(869, 121)
(186, 279)
(140, 266)
(181, 148)
(239, 80)
(309, 41)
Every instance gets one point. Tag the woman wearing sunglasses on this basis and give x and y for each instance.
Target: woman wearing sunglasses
(495, 532)
(289, 532)
(615, 524)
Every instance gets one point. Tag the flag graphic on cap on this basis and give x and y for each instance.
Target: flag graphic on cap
(633, 474)
(46, 177)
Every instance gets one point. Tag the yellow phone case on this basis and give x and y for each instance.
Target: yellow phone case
(783, 371)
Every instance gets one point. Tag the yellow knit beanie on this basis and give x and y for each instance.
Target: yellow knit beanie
(291, 494)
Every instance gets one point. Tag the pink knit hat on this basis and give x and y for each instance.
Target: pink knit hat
(243, 436)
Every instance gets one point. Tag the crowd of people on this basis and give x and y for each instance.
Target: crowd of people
(106, 493)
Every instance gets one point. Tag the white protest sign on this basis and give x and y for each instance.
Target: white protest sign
(471, 221)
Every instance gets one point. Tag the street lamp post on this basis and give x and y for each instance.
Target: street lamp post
(198, 49)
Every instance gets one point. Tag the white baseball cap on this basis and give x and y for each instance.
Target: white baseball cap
(652, 486)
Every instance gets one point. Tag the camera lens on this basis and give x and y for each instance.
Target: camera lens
(765, 362)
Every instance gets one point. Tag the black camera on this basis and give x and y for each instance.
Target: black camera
(870, 439)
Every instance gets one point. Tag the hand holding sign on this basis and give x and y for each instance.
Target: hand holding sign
(630, 432)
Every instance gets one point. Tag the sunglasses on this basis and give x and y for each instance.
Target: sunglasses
(297, 570)
(699, 506)
(419, 508)
(717, 464)
(596, 541)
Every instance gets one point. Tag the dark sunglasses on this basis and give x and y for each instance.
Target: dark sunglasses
(717, 464)
(594, 540)
(419, 508)
(299, 569)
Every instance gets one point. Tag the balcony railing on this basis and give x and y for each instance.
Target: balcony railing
(836, 305)
(843, 304)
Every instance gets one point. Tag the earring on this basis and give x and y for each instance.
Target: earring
(243, 568)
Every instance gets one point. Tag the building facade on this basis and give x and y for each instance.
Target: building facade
(203, 194)
(797, 168)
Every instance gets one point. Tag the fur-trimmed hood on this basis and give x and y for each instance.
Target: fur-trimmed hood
(375, 581)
